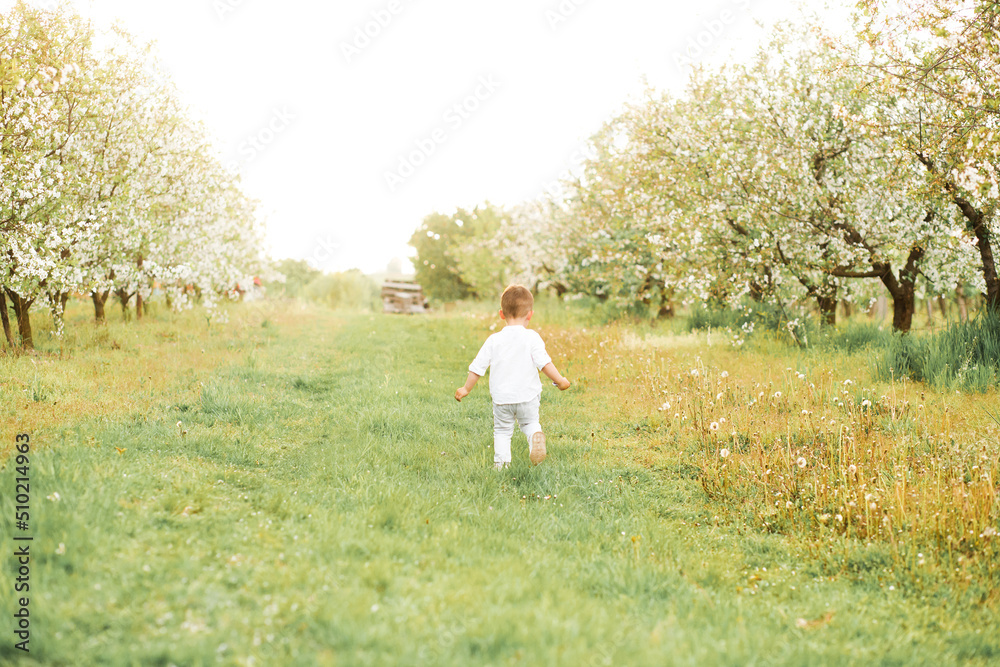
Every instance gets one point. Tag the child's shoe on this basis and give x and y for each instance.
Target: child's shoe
(537, 454)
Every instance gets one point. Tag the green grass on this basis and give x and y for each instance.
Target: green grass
(324, 500)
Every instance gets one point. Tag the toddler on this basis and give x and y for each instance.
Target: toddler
(514, 356)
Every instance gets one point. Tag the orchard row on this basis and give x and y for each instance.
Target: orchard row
(108, 187)
(829, 169)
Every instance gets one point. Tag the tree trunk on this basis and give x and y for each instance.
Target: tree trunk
(848, 311)
(903, 290)
(57, 306)
(138, 290)
(6, 320)
(123, 299)
(977, 222)
(827, 309)
(99, 299)
(22, 309)
(963, 310)
(930, 311)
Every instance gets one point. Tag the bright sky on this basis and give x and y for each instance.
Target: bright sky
(332, 113)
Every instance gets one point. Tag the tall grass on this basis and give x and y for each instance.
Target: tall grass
(965, 355)
(806, 444)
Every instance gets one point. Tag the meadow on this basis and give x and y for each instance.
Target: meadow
(298, 486)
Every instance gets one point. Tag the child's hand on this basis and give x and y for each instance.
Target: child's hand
(562, 383)
(461, 393)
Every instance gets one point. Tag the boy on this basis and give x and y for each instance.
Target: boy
(514, 355)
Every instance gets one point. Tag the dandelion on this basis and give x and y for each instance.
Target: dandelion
(866, 403)
(801, 462)
(724, 453)
(800, 376)
(714, 426)
(718, 396)
(777, 394)
(694, 372)
(789, 504)
(665, 406)
(722, 420)
(724, 374)
(847, 382)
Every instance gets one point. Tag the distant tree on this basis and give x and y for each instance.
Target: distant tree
(452, 261)
(298, 274)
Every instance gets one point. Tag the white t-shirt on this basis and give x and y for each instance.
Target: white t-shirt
(514, 356)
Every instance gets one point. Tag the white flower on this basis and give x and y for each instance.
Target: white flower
(724, 453)
(852, 469)
(866, 403)
(724, 374)
(694, 372)
(714, 426)
(801, 462)
(777, 394)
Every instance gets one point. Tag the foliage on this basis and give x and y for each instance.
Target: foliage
(296, 274)
(350, 290)
(436, 242)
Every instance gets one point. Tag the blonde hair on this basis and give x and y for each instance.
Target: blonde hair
(516, 302)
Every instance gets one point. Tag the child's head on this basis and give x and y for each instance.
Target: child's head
(516, 302)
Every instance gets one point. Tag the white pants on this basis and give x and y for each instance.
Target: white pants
(505, 416)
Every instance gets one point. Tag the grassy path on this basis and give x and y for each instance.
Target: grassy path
(325, 501)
